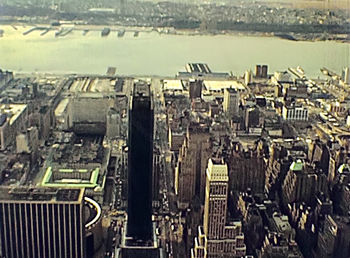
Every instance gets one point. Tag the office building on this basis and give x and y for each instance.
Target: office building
(302, 183)
(13, 119)
(345, 76)
(193, 159)
(218, 238)
(294, 112)
(334, 238)
(140, 163)
(246, 169)
(231, 102)
(195, 89)
(77, 162)
(261, 71)
(42, 223)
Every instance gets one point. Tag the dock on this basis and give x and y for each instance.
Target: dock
(66, 32)
(297, 72)
(121, 33)
(59, 32)
(329, 73)
(44, 32)
(29, 31)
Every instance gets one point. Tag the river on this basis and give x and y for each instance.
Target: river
(152, 53)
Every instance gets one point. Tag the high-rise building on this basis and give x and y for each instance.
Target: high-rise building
(140, 160)
(246, 169)
(346, 75)
(264, 71)
(195, 88)
(218, 238)
(334, 237)
(231, 101)
(41, 223)
(302, 183)
(258, 71)
(193, 159)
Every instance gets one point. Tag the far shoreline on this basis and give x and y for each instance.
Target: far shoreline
(306, 37)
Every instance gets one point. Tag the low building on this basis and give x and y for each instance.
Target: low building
(78, 162)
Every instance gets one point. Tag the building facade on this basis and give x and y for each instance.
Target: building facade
(193, 159)
(41, 223)
(218, 238)
(13, 119)
(140, 163)
(295, 113)
(231, 101)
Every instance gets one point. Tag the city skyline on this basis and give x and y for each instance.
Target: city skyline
(151, 129)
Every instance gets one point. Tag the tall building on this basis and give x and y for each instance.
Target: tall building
(218, 238)
(231, 101)
(193, 159)
(140, 160)
(41, 223)
(302, 183)
(334, 238)
(195, 88)
(345, 76)
(246, 169)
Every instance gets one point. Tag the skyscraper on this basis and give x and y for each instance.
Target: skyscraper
(231, 101)
(139, 226)
(41, 223)
(217, 237)
(193, 159)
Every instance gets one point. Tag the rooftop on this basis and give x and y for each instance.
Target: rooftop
(141, 89)
(61, 107)
(173, 85)
(90, 84)
(40, 194)
(217, 171)
(70, 178)
(12, 111)
(297, 165)
(78, 150)
(219, 85)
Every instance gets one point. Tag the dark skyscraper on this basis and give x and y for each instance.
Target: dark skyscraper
(140, 160)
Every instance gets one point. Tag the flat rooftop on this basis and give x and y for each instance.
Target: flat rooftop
(218, 85)
(91, 84)
(61, 107)
(13, 111)
(172, 85)
(79, 150)
(70, 178)
(141, 89)
(40, 194)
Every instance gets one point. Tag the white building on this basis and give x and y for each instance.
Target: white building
(295, 113)
(346, 75)
(217, 237)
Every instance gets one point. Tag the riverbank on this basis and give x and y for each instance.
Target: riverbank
(311, 37)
